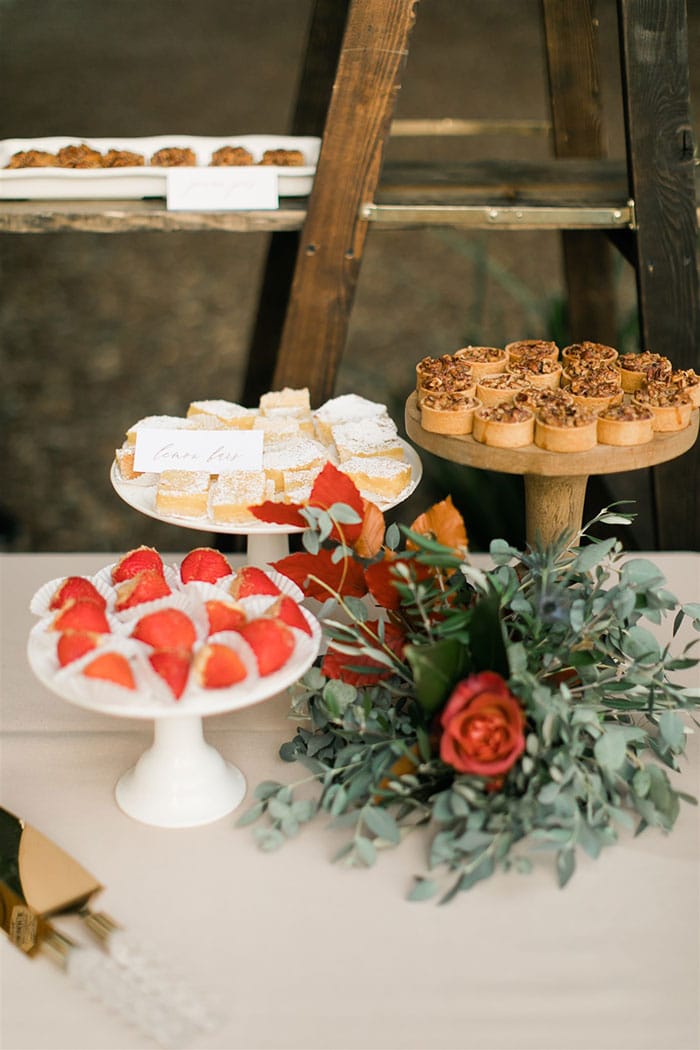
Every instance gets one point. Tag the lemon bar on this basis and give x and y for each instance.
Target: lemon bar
(226, 412)
(232, 495)
(367, 437)
(286, 402)
(345, 409)
(378, 477)
(297, 454)
(183, 493)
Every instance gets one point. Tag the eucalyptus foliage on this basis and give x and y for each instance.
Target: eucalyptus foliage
(568, 626)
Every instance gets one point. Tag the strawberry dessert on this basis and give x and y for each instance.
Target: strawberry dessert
(111, 667)
(136, 561)
(166, 629)
(218, 666)
(74, 588)
(81, 614)
(251, 580)
(224, 615)
(145, 586)
(173, 666)
(272, 642)
(204, 563)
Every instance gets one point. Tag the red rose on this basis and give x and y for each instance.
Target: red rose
(482, 725)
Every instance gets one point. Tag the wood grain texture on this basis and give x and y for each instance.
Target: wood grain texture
(575, 99)
(372, 57)
(654, 44)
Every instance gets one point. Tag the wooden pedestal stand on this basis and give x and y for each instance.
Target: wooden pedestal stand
(555, 483)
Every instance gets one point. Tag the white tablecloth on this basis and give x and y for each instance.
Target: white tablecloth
(306, 954)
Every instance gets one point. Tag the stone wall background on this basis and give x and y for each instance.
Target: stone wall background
(97, 331)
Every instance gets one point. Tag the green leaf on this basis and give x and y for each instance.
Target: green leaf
(437, 667)
(365, 850)
(486, 640)
(609, 749)
(344, 514)
(640, 572)
(591, 555)
(381, 824)
(422, 889)
(251, 815)
(672, 731)
(266, 789)
(501, 552)
(566, 864)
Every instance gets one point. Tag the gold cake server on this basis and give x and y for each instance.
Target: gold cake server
(40, 882)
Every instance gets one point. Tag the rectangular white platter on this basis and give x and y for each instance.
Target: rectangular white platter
(135, 183)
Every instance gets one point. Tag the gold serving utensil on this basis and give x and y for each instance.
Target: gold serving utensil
(40, 882)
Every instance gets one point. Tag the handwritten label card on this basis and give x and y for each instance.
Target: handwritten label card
(221, 189)
(218, 451)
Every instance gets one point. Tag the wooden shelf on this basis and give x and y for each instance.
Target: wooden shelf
(92, 216)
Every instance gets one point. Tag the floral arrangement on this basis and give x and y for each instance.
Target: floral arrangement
(522, 709)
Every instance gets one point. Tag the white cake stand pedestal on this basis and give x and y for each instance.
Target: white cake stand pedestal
(181, 780)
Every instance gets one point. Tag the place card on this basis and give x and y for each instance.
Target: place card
(216, 188)
(216, 451)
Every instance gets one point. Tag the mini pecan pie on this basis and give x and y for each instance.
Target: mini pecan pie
(231, 156)
(283, 158)
(538, 397)
(123, 158)
(32, 158)
(483, 360)
(539, 371)
(541, 348)
(82, 156)
(565, 428)
(591, 353)
(444, 375)
(501, 387)
(686, 379)
(671, 406)
(448, 413)
(637, 368)
(595, 393)
(625, 424)
(581, 369)
(504, 426)
(174, 157)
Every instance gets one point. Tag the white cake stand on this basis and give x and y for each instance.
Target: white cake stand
(181, 781)
(266, 543)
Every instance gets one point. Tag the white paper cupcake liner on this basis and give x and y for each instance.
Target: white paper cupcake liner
(39, 605)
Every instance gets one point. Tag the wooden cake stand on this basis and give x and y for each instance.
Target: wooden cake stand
(555, 482)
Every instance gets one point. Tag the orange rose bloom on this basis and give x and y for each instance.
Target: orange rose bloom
(482, 727)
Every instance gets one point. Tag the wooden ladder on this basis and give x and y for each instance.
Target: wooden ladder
(645, 208)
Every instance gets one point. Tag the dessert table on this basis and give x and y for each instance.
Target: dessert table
(302, 953)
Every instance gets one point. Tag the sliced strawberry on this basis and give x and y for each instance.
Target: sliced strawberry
(218, 666)
(166, 629)
(204, 563)
(81, 614)
(271, 641)
(75, 587)
(250, 580)
(112, 667)
(135, 561)
(74, 644)
(287, 610)
(147, 586)
(224, 616)
(173, 666)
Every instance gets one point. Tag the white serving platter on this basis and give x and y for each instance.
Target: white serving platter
(57, 183)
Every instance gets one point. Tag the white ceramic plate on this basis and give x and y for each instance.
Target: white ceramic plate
(142, 498)
(135, 183)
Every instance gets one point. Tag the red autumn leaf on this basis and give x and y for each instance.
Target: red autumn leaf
(345, 577)
(280, 514)
(341, 665)
(332, 486)
(381, 578)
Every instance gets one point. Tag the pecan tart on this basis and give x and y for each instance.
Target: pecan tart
(483, 360)
(174, 157)
(82, 156)
(592, 353)
(32, 158)
(444, 375)
(501, 387)
(625, 424)
(231, 157)
(123, 158)
(594, 393)
(638, 368)
(671, 406)
(688, 380)
(541, 348)
(504, 426)
(537, 398)
(283, 158)
(565, 428)
(539, 371)
(609, 373)
(448, 413)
